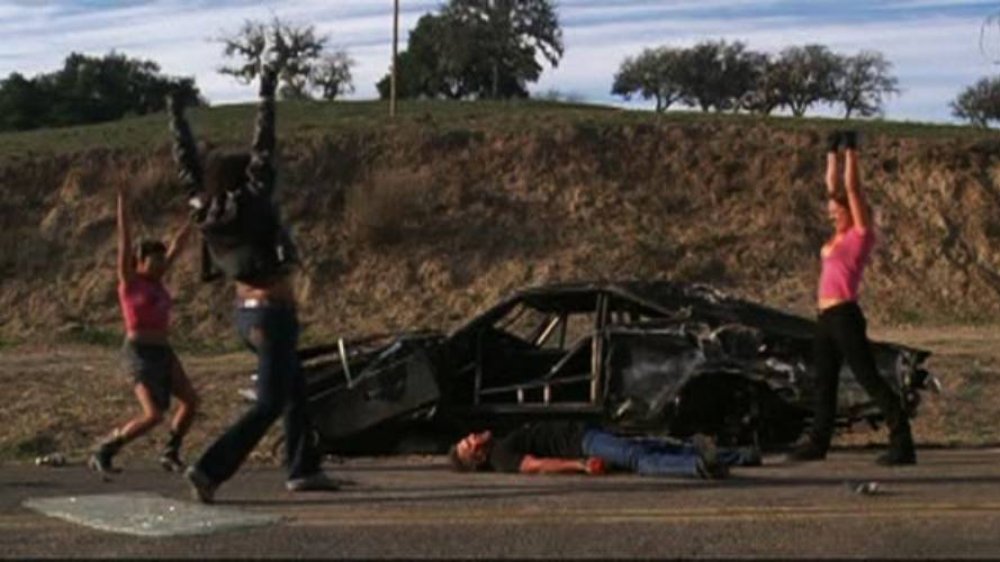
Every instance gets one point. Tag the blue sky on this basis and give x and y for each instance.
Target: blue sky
(934, 44)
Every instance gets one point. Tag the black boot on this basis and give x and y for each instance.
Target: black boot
(170, 457)
(101, 459)
(849, 139)
(901, 449)
(170, 460)
(807, 449)
(833, 141)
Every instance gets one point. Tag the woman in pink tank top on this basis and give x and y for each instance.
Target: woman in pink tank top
(147, 357)
(841, 328)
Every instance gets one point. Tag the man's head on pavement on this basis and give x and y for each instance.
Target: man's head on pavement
(471, 452)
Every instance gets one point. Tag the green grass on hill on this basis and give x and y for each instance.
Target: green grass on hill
(232, 124)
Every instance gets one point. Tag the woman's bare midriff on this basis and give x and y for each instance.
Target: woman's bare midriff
(150, 337)
(279, 290)
(824, 304)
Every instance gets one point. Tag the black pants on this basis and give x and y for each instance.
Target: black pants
(841, 335)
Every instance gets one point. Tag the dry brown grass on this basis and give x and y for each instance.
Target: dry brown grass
(424, 226)
(382, 210)
(967, 362)
(63, 397)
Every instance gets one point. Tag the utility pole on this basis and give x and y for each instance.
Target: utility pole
(395, 57)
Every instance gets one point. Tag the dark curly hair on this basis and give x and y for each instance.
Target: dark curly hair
(225, 170)
(840, 198)
(458, 464)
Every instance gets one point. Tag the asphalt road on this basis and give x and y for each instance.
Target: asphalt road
(946, 507)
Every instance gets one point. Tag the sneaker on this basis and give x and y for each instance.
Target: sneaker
(171, 461)
(202, 487)
(318, 482)
(708, 466)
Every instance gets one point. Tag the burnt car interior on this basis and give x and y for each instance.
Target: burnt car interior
(536, 353)
(546, 350)
(639, 357)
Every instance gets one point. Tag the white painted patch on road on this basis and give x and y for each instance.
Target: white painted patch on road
(147, 515)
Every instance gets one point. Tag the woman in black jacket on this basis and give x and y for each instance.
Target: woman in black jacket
(232, 204)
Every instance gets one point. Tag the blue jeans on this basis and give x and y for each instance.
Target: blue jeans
(650, 457)
(272, 332)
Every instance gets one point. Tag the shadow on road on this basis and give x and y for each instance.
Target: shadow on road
(752, 482)
(465, 493)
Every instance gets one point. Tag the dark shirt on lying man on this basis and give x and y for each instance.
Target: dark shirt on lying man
(558, 440)
(568, 447)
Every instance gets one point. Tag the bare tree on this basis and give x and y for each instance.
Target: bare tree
(246, 45)
(864, 82)
(298, 48)
(332, 75)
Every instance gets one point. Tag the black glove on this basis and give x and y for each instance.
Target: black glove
(175, 103)
(833, 141)
(850, 140)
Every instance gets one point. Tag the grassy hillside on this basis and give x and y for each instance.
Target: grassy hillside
(232, 123)
(424, 220)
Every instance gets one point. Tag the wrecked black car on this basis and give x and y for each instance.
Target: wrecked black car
(638, 357)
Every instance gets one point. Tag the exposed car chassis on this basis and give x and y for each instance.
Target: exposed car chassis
(639, 357)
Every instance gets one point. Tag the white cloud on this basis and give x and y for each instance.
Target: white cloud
(934, 57)
(914, 4)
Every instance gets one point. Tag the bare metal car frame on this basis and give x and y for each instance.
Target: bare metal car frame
(637, 357)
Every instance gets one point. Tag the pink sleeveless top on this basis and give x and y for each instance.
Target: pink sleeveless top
(840, 277)
(145, 305)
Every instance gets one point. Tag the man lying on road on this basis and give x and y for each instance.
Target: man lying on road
(573, 447)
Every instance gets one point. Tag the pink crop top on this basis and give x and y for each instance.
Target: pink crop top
(145, 305)
(840, 277)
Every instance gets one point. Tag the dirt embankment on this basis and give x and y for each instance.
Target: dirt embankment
(416, 228)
